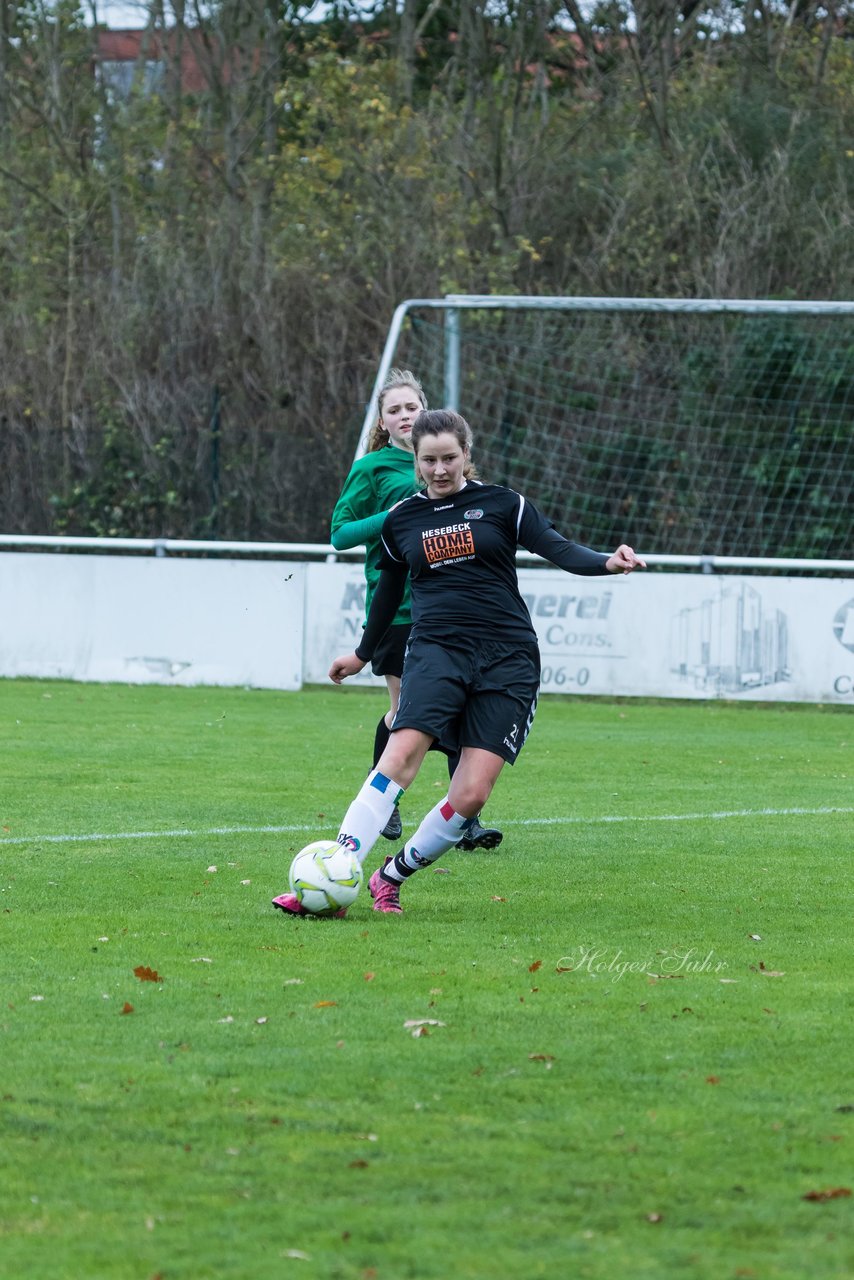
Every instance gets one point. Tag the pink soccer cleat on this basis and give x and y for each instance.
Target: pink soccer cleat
(291, 905)
(385, 893)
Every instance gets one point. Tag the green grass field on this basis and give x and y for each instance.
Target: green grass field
(638, 1062)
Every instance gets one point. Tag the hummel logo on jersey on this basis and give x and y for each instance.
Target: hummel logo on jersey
(510, 741)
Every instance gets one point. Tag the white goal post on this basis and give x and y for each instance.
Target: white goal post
(713, 433)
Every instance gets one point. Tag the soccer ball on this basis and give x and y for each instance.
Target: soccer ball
(325, 877)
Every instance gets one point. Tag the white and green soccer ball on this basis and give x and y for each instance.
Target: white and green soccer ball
(325, 877)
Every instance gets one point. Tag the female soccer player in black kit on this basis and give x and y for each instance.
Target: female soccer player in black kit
(382, 477)
(473, 665)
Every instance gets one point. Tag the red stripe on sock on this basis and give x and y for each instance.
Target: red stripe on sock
(447, 811)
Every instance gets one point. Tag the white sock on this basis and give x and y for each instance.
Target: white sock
(440, 830)
(369, 813)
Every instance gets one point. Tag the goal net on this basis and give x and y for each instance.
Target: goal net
(725, 430)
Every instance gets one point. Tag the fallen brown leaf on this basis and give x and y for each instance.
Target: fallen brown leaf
(325, 1004)
(147, 974)
(126, 1008)
(532, 968)
(829, 1193)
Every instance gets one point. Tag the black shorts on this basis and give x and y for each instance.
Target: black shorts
(391, 650)
(471, 695)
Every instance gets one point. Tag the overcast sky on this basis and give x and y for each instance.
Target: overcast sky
(134, 13)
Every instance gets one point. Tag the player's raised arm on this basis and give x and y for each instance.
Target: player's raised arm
(544, 540)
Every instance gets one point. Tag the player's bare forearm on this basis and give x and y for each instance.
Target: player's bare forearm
(347, 665)
(624, 560)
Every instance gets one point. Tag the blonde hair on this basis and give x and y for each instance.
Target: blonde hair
(435, 422)
(378, 439)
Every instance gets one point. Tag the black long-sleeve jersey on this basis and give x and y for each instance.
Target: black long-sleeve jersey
(460, 553)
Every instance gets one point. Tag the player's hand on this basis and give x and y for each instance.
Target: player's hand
(348, 665)
(624, 560)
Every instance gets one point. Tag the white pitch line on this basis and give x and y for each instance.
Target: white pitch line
(178, 832)
(205, 832)
(682, 817)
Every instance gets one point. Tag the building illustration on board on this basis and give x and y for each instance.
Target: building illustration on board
(730, 644)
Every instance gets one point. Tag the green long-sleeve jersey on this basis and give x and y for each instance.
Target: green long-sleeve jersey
(376, 482)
